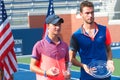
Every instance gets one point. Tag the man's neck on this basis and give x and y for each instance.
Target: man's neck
(89, 26)
(54, 38)
(90, 29)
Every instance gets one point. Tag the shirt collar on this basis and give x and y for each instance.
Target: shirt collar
(50, 41)
(83, 30)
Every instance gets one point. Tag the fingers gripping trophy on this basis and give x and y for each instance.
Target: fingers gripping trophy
(67, 72)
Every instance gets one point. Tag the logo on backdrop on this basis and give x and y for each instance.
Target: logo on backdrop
(18, 46)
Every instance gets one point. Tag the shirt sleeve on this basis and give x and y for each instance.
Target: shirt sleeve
(36, 51)
(73, 44)
(108, 37)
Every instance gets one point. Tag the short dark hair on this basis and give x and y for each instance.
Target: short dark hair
(85, 4)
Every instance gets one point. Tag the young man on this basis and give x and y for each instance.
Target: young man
(50, 55)
(92, 42)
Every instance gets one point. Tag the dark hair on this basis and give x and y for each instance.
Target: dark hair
(85, 4)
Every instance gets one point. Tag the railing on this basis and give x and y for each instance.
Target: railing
(114, 15)
(114, 18)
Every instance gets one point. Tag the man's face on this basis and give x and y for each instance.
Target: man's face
(54, 29)
(88, 14)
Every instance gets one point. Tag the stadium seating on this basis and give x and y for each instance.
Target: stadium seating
(18, 9)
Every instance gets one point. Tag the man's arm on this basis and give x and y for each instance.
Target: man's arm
(34, 66)
(109, 52)
(73, 59)
(75, 62)
(110, 63)
(73, 50)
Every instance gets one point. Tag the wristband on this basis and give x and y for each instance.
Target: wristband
(45, 73)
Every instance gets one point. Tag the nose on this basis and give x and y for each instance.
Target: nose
(58, 26)
(90, 14)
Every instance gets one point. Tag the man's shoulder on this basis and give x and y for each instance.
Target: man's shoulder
(102, 28)
(78, 31)
(39, 42)
(100, 25)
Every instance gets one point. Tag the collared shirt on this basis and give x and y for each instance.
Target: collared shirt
(90, 49)
(51, 55)
(50, 41)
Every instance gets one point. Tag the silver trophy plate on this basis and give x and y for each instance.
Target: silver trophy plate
(98, 69)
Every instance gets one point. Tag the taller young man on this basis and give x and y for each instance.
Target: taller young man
(92, 42)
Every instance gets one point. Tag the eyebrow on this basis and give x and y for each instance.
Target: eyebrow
(57, 24)
(89, 12)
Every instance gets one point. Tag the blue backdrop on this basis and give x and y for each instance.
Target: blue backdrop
(25, 39)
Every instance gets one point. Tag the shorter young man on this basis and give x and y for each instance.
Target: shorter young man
(50, 55)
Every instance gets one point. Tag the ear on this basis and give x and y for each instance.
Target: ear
(80, 14)
(47, 25)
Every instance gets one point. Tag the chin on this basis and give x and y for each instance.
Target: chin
(89, 22)
(56, 33)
